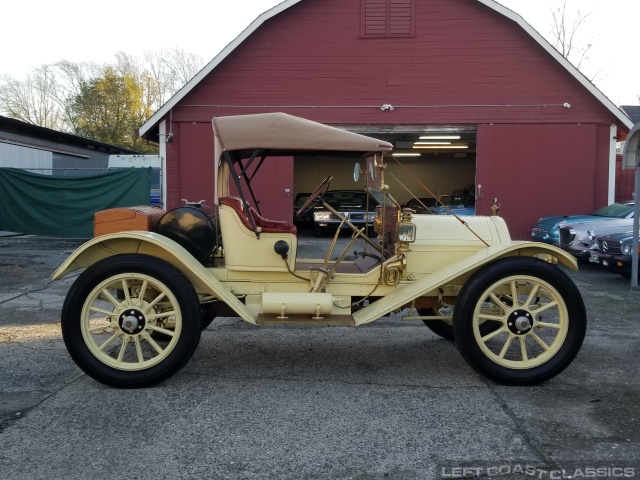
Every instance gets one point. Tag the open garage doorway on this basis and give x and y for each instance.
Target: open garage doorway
(443, 158)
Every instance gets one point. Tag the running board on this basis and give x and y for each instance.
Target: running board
(328, 320)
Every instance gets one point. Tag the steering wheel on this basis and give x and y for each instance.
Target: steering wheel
(315, 197)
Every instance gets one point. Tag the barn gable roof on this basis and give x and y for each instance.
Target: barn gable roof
(218, 59)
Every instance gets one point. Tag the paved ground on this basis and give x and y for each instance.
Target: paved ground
(388, 400)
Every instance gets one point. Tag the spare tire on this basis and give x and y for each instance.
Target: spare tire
(193, 226)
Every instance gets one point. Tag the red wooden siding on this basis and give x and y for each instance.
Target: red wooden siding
(463, 54)
(536, 171)
(273, 188)
(474, 65)
(625, 182)
(196, 162)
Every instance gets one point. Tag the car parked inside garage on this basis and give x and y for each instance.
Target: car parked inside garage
(354, 205)
(423, 205)
(460, 204)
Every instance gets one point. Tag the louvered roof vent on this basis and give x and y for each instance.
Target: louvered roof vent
(387, 18)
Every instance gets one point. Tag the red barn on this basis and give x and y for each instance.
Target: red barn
(525, 126)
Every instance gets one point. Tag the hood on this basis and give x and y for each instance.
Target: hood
(572, 219)
(602, 225)
(617, 237)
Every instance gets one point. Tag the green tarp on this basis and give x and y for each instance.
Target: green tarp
(62, 206)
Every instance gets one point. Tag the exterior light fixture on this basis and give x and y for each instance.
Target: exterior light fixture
(406, 154)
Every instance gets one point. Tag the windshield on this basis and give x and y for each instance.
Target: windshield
(617, 210)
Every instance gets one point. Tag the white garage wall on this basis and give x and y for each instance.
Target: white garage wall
(442, 174)
(16, 156)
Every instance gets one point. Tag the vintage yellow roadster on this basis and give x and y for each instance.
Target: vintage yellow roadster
(134, 316)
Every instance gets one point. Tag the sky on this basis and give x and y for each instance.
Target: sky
(37, 32)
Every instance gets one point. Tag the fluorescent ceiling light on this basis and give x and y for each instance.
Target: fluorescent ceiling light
(440, 137)
(406, 154)
(432, 143)
(442, 147)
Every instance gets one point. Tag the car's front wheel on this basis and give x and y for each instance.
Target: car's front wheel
(540, 316)
(131, 321)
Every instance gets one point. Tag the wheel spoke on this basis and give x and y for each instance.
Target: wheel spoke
(100, 310)
(143, 290)
(491, 335)
(153, 316)
(152, 342)
(539, 341)
(125, 289)
(110, 297)
(545, 307)
(523, 349)
(495, 318)
(138, 349)
(164, 331)
(155, 301)
(123, 348)
(503, 352)
(531, 296)
(109, 341)
(514, 294)
(101, 327)
(555, 326)
(498, 302)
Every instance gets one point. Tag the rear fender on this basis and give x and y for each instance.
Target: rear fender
(461, 268)
(159, 246)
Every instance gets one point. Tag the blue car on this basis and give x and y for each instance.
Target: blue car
(458, 204)
(547, 229)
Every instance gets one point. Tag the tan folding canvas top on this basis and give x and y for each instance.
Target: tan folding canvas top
(281, 131)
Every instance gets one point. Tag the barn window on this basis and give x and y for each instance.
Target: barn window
(387, 18)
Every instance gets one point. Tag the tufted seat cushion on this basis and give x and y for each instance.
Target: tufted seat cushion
(265, 225)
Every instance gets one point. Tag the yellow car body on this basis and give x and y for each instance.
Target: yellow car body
(139, 286)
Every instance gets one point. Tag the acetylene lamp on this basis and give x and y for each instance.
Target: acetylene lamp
(406, 231)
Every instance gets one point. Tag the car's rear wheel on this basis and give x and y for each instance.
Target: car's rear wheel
(131, 321)
(541, 318)
(444, 328)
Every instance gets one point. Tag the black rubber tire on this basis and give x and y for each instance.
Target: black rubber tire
(317, 231)
(208, 314)
(470, 296)
(439, 327)
(153, 267)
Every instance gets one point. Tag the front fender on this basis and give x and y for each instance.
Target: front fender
(405, 294)
(159, 246)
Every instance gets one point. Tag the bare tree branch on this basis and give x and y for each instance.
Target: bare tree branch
(47, 95)
(566, 38)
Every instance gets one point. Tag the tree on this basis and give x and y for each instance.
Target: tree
(78, 97)
(566, 38)
(110, 109)
(168, 70)
(34, 99)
